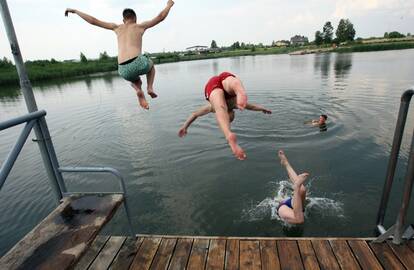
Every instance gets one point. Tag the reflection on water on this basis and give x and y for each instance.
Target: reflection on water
(194, 185)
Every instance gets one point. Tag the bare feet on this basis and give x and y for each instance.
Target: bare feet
(237, 150)
(283, 158)
(241, 101)
(151, 92)
(301, 179)
(142, 101)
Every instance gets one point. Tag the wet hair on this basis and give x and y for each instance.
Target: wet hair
(129, 14)
(324, 116)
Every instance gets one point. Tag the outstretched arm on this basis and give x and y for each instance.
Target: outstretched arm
(258, 108)
(160, 17)
(200, 112)
(91, 20)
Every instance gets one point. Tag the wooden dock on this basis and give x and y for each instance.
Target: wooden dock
(68, 239)
(169, 252)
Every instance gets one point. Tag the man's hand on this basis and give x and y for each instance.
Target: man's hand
(170, 3)
(266, 111)
(69, 10)
(182, 132)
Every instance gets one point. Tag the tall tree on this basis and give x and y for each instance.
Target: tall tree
(103, 56)
(318, 38)
(345, 31)
(327, 32)
(214, 44)
(83, 58)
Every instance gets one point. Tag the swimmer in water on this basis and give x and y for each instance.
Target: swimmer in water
(225, 93)
(291, 209)
(318, 122)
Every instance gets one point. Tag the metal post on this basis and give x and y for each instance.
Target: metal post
(39, 128)
(409, 179)
(398, 135)
(11, 158)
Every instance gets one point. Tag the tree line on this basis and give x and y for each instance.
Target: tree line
(344, 32)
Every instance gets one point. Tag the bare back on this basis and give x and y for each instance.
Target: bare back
(129, 41)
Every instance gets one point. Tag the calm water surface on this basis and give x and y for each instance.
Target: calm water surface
(194, 185)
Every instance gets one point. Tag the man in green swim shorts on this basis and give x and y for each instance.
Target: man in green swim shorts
(132, 64)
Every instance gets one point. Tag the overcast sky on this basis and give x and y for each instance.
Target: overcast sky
(45, 33)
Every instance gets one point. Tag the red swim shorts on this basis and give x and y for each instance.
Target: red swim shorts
(217, 82)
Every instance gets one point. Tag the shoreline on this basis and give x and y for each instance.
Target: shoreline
(41, 71)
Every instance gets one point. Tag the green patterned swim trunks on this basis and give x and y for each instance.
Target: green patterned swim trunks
(132, 69)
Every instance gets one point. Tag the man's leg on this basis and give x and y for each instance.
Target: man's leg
(299, 198)
(292, 174)
(150, 81)
(219, 104)
(141, 97)
(235, 88)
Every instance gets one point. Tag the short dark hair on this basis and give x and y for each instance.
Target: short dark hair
(129, 14)
(324, 116)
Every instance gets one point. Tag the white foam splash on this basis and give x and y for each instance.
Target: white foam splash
(315, 206)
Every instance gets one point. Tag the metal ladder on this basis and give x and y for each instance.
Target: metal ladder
(399, 230)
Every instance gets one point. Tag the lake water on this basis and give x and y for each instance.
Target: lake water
(194, 185)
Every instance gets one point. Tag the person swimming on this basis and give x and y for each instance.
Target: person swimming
(291, 209)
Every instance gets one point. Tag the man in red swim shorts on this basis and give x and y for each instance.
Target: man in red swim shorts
(225, 93)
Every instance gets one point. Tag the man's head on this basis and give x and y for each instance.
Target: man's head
(323, 118)
(129, 15)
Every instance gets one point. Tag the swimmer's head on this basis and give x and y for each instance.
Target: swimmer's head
(322, 119)
(129, 15)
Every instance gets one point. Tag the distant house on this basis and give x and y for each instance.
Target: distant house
(299, 40)
(282, 43)
(197, 49)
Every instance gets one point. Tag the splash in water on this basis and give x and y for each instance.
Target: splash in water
(314, 206)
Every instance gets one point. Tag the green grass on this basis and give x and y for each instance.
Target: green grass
(376, 47)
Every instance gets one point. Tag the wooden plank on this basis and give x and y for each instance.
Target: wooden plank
(232, 254)
(289, 255)
(164, 254)
(250, 255)
(126, 254)
(404, 253)
(108, 253)
(258, 238)
(269, 257)
(386, 256)
(411, 244)
(216, 253)
(308, 255)
(92, 252)
(344, 255)
(198, 254)
(146, 253)
(60, 240)
(364, 255)
(181, 254)
(324, 254)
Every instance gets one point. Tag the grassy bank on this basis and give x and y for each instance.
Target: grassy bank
(376, 47)
(47, 70)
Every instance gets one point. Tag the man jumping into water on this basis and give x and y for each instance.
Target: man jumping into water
(131, 63)
(225, 93)
(291, 209)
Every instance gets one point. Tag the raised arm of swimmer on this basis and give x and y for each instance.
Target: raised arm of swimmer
(200, 112)
(92, 20)
(160, 17)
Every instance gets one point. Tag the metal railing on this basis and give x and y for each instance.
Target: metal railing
(399, 230)
(33, 119)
